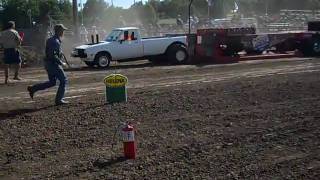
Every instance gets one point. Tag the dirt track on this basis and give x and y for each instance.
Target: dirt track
(254, 120)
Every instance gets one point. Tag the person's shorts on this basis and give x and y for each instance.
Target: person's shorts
(11, 56)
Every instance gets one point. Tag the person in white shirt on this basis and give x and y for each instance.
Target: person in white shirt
(10, 41)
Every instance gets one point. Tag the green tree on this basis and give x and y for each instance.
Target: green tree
(148, 14)
(19, 11)
(14, 10)
(94, 10)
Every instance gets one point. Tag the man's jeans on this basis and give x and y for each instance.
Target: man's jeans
(54, 72)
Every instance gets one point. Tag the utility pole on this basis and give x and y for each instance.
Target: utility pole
(210, 2)
(30, 17)
(81, 7)
(190, 4)
(75, 18)
(267, 7)
(29, 13)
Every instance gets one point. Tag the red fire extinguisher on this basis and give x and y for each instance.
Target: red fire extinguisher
(129, 145)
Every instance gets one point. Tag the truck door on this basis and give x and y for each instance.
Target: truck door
(130, 45)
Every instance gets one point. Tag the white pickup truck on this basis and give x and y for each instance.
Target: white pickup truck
(126, 44)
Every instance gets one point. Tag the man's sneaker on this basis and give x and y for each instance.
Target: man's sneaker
(31, 93)
(17, 78)
(62, 102)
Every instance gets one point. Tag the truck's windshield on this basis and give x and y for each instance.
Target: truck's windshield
(113, 36)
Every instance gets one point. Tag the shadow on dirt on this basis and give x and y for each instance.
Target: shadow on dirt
(208, 63)
(125, 65)
(117, 67)
(100, 163)
(18, 112)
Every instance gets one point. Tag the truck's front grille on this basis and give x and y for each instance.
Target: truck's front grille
(81, 53)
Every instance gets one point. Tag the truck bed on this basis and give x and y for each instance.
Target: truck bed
(165, 36)
(157, 46)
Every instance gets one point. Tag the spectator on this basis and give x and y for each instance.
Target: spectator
(83, 34)
(180, 22)
(11, 40)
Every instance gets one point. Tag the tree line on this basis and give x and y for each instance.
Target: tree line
(25, 12)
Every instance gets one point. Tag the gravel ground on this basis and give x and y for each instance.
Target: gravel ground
(249, 128)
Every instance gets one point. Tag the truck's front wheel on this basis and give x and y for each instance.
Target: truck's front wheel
(178, 54)
(102, 60)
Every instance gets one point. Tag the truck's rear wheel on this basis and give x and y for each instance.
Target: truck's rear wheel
(102, 60)
(177, 54)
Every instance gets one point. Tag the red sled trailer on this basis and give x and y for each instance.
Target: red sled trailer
(237, 44)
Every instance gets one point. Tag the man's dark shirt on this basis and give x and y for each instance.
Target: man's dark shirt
(53, 50)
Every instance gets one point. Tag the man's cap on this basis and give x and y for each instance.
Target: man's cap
(59, 27)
